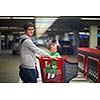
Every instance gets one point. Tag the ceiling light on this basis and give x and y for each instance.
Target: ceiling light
(5, 17)
(90, 18)
(22, 17)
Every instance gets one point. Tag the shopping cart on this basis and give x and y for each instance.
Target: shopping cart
(70, 70)
(64, 73)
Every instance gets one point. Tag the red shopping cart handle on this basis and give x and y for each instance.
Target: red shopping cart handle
(65, 57)
(44, 57)
(47, 58)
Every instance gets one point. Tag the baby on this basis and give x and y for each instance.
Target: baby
(54, 53)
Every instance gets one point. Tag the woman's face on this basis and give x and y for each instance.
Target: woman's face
(30, 31)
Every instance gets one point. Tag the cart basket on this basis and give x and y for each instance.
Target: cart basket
(44, 61)
(70, 71)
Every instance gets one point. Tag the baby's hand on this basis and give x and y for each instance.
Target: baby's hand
(53, 58)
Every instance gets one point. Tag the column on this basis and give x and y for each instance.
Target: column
(6, 40)
(76, 41)
(93, 36)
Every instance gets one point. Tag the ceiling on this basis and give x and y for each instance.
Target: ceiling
(61, 25)
(69, 24)
(13, 24)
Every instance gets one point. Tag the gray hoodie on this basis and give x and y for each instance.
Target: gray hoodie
(28, 51)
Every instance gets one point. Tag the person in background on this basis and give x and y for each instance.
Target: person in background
(98, 47)
(28, 51)
(54, 53)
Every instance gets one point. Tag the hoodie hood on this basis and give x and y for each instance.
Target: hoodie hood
(24, 37)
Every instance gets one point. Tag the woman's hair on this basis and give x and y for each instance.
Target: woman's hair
(28, 24)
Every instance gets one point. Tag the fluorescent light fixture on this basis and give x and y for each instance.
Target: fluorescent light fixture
(17, 17)
(90, 18)
(86, 28)
(3, 27)
(9, 27)
(83, 33)
(23, 18)
(71, 33)
(22, 32)
(13, 27)
(5, 17)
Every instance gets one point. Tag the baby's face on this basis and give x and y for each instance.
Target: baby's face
(53, 48)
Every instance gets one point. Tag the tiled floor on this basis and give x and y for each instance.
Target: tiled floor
(79, 79)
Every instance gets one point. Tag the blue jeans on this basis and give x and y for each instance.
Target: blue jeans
(28, 75)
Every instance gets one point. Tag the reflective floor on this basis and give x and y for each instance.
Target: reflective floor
(8, 67)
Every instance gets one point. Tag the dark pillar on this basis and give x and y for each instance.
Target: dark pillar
(6, 43)
(76, 41)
